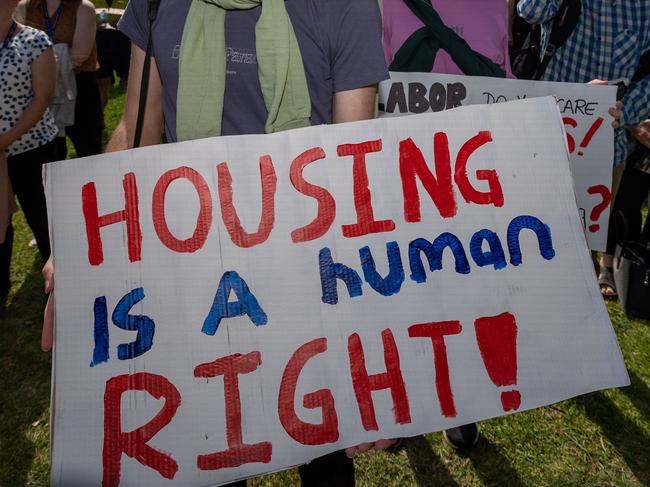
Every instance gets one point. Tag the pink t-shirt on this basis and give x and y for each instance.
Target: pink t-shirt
(482, 23)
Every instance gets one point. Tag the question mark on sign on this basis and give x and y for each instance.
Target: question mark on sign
(604, 192)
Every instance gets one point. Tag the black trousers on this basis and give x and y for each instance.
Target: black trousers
(86, 133)
(5, 259)
(25, 174)
(632, 192)
(333, 470)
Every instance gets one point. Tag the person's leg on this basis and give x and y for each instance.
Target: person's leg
(334, 469)
(25, 174)
(645, 234)
(632, 196)
(61, 149)
(104, 84)
(5, 260)
(86, 133)
(627, 202)
(463, 437)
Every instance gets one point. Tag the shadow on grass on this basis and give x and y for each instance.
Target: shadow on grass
(631, 442)
(493, 468)
(427, 467)
(639, 394)
(490, 465)
(25, 378)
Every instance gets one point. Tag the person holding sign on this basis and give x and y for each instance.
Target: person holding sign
(606, 44)
(626, 218)
(325, 54)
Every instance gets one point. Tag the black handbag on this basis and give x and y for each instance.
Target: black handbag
(632, 278)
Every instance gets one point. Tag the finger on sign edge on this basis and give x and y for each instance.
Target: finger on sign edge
(47, 336)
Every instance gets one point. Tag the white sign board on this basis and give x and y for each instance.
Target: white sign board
(590, 135)
(238, 305)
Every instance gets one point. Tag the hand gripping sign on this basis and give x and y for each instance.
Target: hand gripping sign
(238, 305)
(589, 135)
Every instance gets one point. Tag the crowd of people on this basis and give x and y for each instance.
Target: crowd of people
(53, 89)
(58, 58)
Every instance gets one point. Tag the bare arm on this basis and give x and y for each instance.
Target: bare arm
(353, 105)
(122, 137)
(21, 12)
(84, 34)
(43, 72)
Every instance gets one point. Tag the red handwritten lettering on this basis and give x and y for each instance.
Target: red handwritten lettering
(230, 219)
(495, 194)
(326, 204)
(412, 164)
(437, 332)
(129, 215)
(238, 452)
(204, 218)
(364, 383)
(366, 222)
(134, 443)
(302, 432)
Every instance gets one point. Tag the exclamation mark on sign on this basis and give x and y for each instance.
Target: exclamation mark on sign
(497, 342)
(590, 134)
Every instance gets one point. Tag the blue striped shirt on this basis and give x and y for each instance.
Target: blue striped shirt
(606, 44)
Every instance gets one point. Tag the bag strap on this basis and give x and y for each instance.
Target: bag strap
(643, 69)
(462, 56)
(563, 25)
(152, 13)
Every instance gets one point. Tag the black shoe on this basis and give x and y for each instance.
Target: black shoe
(464, 437)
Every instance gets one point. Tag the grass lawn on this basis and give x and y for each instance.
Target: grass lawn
(598, 440)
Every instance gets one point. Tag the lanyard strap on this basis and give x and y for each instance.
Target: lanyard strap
(10, 33)
(51, 27)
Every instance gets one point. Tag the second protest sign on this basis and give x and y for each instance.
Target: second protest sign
(590, 136)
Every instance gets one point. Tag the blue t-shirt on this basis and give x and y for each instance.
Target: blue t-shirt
(340, 44)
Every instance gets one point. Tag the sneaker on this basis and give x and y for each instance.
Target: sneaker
(463, 437)
(32, 243)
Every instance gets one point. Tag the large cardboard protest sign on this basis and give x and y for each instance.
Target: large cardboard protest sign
(238, 305)
(590, 135)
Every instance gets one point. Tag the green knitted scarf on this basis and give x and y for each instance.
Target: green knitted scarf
(203, 68)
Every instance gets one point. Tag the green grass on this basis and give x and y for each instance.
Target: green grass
(597, 440)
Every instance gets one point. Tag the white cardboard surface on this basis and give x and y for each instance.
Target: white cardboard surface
(565, 344)
(581, 105)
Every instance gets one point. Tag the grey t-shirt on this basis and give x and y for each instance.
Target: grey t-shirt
(340, 44)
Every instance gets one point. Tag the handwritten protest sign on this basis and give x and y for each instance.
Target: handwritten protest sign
(238, 305)
(584, 107)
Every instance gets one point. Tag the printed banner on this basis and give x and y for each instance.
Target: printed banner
(589, 133)
(238, 305)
